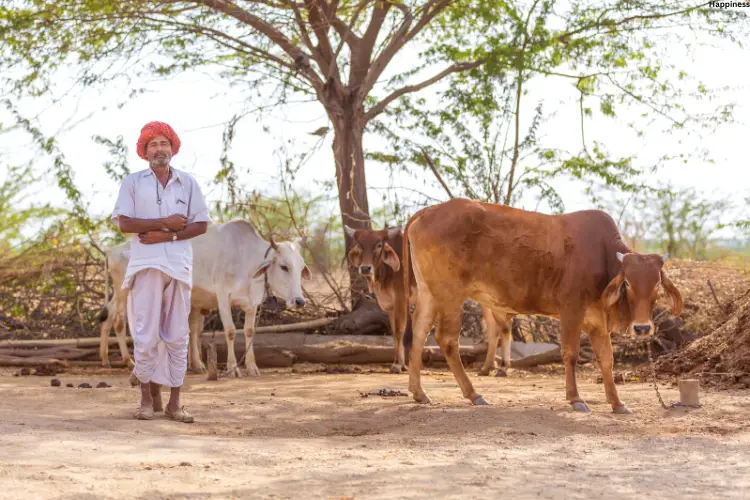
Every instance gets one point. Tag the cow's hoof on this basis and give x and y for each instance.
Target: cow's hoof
(236, 373)
(199, 369)
(480, 401)
(134, 380)
(580, 406)
(483, 372)
(622, 410)
(397, 369)
(424, 400)
(252, 370)
(501, 373)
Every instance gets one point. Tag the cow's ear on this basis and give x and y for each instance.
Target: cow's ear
(612, 310)
(262, 269)
(673, 293)
(355, 256)
(612, 292)
(390, 257)
(306, 273)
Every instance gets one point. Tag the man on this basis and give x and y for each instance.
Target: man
(163, 208)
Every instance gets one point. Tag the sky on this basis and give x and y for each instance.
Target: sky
(198, 104)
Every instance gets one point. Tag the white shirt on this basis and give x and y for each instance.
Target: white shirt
(138, 200)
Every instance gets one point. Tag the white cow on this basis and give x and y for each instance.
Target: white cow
(232, 265)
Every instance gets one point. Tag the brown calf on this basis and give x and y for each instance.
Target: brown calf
(574, 267)
(377, 256)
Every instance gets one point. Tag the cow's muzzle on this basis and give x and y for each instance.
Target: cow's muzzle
(365, 270)
(298, 302)
(641, 329)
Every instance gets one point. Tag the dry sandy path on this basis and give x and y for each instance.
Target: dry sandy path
(294, 435)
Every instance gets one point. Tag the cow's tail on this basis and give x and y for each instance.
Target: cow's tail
(408, 272)
(104, 313)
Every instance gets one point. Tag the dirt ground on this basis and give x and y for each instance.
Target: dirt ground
(312, 435)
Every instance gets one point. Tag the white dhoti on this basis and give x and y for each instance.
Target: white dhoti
(158, 309)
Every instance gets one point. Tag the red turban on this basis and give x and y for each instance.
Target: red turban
(151, 130)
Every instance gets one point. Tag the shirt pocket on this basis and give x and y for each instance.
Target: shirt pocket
(179, 200)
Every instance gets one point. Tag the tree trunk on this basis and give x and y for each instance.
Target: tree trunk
(348, 125)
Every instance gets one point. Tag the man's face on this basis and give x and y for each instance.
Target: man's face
(159, 151)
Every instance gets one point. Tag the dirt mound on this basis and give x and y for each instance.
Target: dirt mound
(721, 358)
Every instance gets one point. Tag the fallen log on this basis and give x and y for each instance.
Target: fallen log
(79, 342)
(296, 327)
(543, 358)
(53, 353)
(98, 364)
(11, 361)
(269, 356)
(94, 341)
(366, 318)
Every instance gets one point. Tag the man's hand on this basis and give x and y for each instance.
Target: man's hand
(151, 237)
(175, 222)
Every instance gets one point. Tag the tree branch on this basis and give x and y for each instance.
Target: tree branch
(323, 53)
(363, 55)
(380, 107)
(217, 36)
(437, 174)
(613, 24)
(264, 28)
(429, 11)
(394, 45)
(301, 24)
(346, 32)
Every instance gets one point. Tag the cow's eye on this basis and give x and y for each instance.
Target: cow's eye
(284, 268)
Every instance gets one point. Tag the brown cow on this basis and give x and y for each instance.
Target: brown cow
(574, 267)
(377, 256)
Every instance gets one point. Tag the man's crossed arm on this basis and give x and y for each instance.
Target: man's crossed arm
(160, 230)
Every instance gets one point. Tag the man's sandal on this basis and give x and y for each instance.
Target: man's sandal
(144, 413)
(179, 416)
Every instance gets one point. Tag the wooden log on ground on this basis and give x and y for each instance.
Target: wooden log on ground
(64, 352)
(94, 341)
(97, 364)
(366, 318)
(543, 358)
(11, 361)
(295, 327)
(269, 356)
(79, 342)
(274, 357)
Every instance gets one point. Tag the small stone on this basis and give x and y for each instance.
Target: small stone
(68, 385)
(25, 371)
(102, 385)
(619, 379)
(185, 464)
(55, 383)
(85, 385)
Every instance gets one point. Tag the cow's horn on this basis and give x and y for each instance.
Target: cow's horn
(394, 231)
(273, 243)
